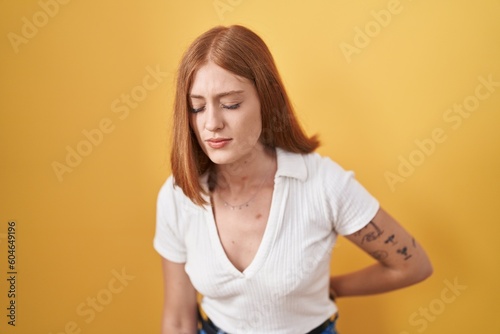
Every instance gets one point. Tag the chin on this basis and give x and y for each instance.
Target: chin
(224, 157)
(220, 158)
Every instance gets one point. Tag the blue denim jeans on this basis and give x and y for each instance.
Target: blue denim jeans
(328, 330)
(331, 328)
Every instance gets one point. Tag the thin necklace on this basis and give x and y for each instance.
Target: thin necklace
(247, 203)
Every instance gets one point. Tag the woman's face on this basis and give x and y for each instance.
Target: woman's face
(225, 114)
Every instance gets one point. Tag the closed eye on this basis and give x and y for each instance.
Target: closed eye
(231, 107)
(197, 110)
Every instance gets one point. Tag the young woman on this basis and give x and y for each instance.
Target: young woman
(250, 214)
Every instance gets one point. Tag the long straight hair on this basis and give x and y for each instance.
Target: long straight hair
(242, 52)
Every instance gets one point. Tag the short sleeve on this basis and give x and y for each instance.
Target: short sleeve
(349, 204)
(168, 239)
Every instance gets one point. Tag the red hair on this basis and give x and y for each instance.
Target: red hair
(242, 52)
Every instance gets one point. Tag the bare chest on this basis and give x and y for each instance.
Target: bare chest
(241, 230)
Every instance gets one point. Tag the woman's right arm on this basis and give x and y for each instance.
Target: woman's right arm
(180, 303)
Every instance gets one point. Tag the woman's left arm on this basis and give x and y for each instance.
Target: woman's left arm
(401, 261)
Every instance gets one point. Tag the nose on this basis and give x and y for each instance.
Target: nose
(214, 119)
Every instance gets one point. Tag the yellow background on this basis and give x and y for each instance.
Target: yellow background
(75, 234)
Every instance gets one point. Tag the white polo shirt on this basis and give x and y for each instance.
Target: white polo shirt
(285, 288)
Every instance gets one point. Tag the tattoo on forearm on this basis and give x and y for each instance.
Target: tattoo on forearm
(374, 232)
(413, 242)
(391, 240)
(379, 254)
(404, 251)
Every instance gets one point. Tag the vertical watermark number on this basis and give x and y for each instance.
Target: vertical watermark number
(11, 273)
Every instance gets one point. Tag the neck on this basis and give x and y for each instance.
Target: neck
(247, 173)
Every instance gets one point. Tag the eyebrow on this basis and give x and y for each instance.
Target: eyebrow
(231, 92)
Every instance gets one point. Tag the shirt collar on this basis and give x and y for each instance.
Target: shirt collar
(291, 164)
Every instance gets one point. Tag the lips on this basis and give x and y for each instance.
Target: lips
(218, 142)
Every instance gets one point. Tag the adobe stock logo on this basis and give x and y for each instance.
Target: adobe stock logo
(223, 6)
(421, 318)
(30, 28)
(453, 117)
(122, 107)
(381, 19)
(95, 304)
